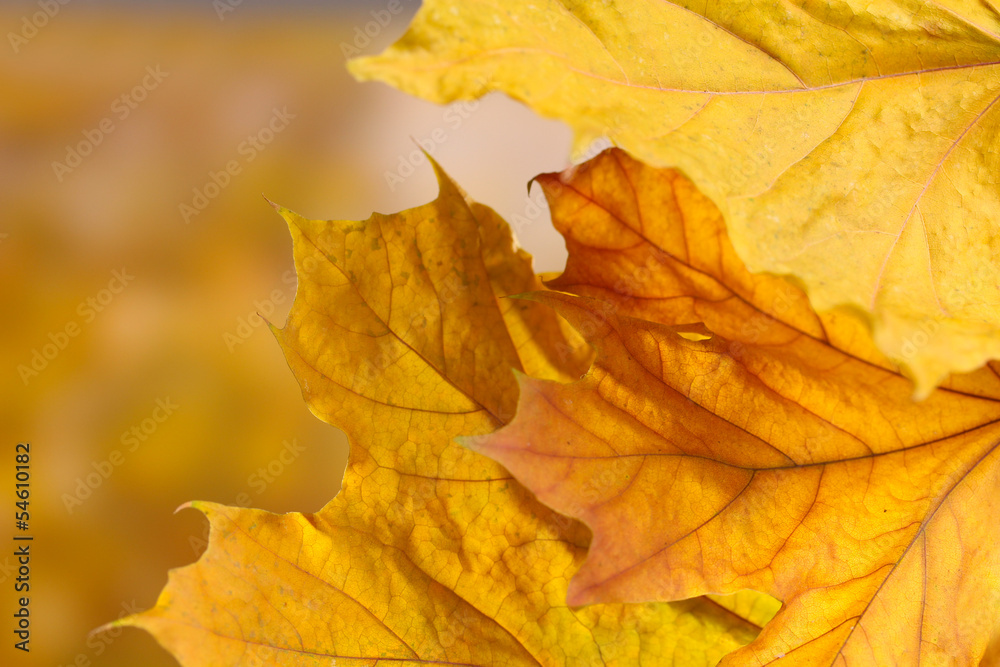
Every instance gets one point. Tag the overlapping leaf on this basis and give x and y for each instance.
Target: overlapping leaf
(852, 144)
(430, 553)
(727, 437)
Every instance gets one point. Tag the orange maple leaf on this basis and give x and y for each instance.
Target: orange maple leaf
(727, 437)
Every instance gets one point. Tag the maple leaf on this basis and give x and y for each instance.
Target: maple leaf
(849, 144)
(740, 441)
(430, 553)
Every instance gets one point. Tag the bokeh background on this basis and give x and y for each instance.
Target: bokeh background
(183, 331)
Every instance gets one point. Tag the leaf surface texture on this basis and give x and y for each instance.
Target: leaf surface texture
(850, 144)
(431, 553)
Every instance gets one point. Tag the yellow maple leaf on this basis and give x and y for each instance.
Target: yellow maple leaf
(741, 441)
(430, 553)
(851, 145)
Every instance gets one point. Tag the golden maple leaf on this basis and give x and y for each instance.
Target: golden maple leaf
(430, 553)
(727, 437)
(852, 145)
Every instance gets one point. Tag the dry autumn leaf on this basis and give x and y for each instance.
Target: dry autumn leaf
(851, 144)
(741, 441)
(430, 553)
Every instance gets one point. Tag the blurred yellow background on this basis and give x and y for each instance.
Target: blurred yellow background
(133, 358)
